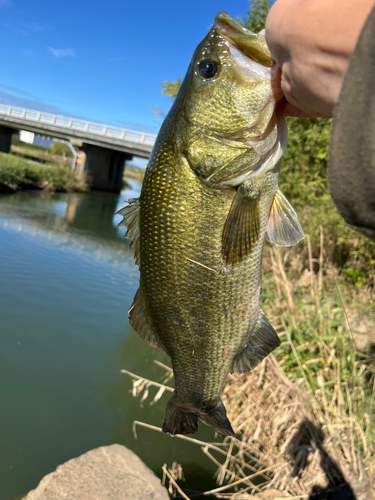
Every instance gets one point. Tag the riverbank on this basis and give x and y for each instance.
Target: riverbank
(17, 173)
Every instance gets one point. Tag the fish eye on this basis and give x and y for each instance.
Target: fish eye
(208, 68)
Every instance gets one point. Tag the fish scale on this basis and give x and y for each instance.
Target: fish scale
(209, 197)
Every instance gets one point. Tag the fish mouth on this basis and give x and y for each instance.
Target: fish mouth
(251, 44)
(242, 43)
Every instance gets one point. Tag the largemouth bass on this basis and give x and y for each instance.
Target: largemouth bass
(209, 197)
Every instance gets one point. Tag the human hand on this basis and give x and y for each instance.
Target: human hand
(312, 42)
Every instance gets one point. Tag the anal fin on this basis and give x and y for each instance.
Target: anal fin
(138, 318)
(283, 228)
(262, 341)
(241, 229)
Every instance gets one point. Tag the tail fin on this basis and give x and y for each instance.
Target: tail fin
(218, 420)
(178, 421)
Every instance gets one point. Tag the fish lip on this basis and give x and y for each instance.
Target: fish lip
(223, 23)
(239, 36)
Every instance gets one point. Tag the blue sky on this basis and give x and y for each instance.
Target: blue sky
(100, 60)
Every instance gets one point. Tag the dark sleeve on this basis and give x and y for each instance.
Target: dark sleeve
(351, 165)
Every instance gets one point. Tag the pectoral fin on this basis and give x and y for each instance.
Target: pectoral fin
(283, 228)
(262, 341)
(241, 228)
(139, 320)
(131, 221)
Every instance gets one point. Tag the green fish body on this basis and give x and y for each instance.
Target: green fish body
(209, 197)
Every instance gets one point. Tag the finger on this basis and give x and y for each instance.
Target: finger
(284, 108)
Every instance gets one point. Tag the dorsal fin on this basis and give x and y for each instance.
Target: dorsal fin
(283, 228)
(131, 221)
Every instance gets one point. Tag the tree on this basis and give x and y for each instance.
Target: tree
(58, 148)
(256, 15)
(171, 88)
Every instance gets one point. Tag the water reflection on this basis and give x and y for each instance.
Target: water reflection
(85, 221)
(67, 280)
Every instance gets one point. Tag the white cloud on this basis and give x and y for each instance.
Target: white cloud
(62, 52)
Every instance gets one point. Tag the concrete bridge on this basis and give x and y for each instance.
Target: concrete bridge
(103, 149)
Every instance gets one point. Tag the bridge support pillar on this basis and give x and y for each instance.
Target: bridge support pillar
(104, 167)
(5, 139)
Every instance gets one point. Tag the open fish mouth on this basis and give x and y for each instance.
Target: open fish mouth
(250, 51)
(251, 44)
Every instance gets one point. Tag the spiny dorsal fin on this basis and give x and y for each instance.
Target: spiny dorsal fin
(241, 228)
(262, 341)
(138, 318)
(130, 220)
(283, 228)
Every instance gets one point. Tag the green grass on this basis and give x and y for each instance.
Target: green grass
(17, 173)
(303, 180)
(320, 352)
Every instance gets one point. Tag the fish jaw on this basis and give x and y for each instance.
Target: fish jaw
(252, 44)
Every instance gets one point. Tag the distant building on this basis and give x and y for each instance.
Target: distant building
(36, 139)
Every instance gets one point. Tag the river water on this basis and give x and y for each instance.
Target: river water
(67, 280)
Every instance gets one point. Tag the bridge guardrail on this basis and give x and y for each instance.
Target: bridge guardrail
(77, 124)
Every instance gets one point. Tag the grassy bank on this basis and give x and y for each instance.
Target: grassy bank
(17, 173)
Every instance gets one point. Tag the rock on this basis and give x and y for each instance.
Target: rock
(362, 326)
(106, 473)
